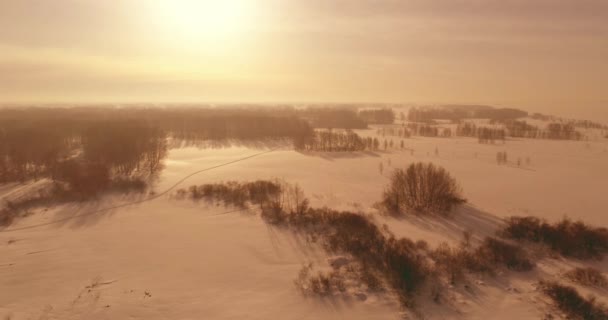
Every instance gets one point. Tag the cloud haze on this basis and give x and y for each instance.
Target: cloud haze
(546, 55)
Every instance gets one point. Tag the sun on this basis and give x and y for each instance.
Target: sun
(204, 21)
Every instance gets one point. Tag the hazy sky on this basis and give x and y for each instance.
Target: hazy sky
(542, 55)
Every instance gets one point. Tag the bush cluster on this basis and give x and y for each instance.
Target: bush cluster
(405, 266)
(487, 257)
(494, 252)
(321, 283)
(399, 261)
(588, 277)
(569, 301)
(235, 193)
(60, 192)
(571, 239)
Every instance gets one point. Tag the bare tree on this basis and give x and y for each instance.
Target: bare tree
(422, 187)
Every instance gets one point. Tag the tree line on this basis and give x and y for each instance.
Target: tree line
(521, 129)
(518, 129)
(203, 125)
(345, 141)
(455, 114)
(86, 157)
(426, 130)
(82, 146)
(336, 141)
(378, 116)
(562, 131)
(399, 132)
(333, 118)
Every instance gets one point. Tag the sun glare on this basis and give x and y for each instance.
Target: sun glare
(204, 21)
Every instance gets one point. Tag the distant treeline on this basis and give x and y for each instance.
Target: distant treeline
(518, 129)
(81, 145)
(454, 114)
(76, 145)
(345, 118)
(585, 124)
(554, 130)
(521, 129)
(562, 131)
(332, 141)
(333, 118)
(212, 124)
(85, 155)
(484, 134)
(558, 129)
(426, 130)
(399, 132)
(378, 116)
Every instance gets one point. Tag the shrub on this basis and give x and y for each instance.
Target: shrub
(238, 194)
(454, 261)
(273, 214)
(397, 261)
(52, 194)
(370, 279)
(526, 228)
(423, 187)
(572, 239)
(406, 269)
(494, 252)
(320, 284)
(81, 183)
(588, 277)
(344, 278)
(400, 264)
(262, 191)
(7, 216)
(569, 301)
(451, 260)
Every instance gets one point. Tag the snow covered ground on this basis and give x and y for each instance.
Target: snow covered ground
(169, 259)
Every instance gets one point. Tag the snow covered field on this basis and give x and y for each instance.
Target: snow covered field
(169, 259)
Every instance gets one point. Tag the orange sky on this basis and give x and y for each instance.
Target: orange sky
(542, 55)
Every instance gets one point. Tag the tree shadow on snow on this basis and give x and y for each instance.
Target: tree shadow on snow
(331, 156)
(86, 214)
(261, 144)
(462, 219)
